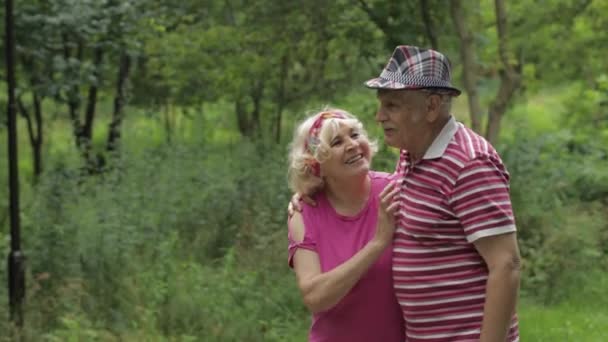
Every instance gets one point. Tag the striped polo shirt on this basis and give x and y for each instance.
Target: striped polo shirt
(457, 193)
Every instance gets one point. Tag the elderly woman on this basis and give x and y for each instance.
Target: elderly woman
(340, 248)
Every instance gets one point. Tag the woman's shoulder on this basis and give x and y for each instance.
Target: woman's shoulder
(316, 210)
(380, 178)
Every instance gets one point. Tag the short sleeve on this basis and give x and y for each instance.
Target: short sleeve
(481, 200)
(308, 243)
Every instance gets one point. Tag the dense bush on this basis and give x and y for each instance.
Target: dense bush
(559, 197)
(181, 241)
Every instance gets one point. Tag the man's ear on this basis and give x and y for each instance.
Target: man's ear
(433, 107)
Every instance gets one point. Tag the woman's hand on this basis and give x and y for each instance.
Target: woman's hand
(387, 210)
(294, 203)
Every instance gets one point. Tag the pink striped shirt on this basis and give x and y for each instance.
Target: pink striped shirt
(457, 193)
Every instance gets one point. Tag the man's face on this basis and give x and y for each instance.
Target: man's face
(402, 116)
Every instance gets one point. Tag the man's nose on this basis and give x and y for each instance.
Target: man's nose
(380, 116)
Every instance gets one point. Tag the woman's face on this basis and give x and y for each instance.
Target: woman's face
(349, 153)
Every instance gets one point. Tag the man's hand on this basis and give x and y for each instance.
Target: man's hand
(294, 204)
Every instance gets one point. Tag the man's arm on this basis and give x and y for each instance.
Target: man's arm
(482, 203)
(501, 254)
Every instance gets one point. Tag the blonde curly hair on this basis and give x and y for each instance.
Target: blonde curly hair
(300, 174)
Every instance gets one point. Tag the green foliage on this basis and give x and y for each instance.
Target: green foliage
(56, 40)
(588, 109)
(179, 241)
(564, 31)
(558, 196)
(260, 70)
(165, 242)
(182, 236)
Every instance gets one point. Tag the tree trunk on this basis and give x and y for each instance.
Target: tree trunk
(34, 124)
(510, 76)
(508, 86)
(241, 117)
(73, 107)
(281, 98)
(87, 128)
(168, 122)
(249, 122)
(256, 96)
(16, 258)
(469, 68)
(34, 130)
(39, 136)
(73, 99)
(428, 24)
(119, 102)
(85, 131)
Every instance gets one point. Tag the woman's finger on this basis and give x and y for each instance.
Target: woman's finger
(389, 198)
(308, 200)
(290, 209)
(387, 189)
(393, 208)
(392, 194)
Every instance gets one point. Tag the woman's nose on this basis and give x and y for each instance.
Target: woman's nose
(351, 143)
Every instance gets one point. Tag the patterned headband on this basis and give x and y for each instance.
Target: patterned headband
(313, 141)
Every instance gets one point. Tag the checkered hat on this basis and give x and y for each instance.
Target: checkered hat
(411, 67)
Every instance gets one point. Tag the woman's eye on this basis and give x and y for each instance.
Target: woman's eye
(335, 143)
(354, 135)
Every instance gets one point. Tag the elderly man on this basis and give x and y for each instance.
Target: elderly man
(455, 255)
(456, 264)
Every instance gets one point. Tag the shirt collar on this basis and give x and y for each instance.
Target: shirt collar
(442, 140)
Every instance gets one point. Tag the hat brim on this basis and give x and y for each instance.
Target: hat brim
(383, 83)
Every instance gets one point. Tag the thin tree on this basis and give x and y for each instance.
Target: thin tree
(469, 67)
(510, 70)
(429, 27)
(16, 259)
(510, 75)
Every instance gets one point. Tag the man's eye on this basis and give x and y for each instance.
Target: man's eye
(354, 135)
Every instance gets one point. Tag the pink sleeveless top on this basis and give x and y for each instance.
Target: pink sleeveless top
(369, 312)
